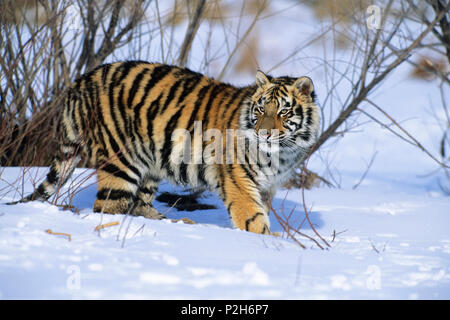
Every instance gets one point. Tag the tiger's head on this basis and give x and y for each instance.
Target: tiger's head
(282, 110)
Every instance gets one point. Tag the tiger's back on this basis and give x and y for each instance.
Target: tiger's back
(123, 117)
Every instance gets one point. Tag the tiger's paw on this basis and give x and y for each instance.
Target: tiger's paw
(185, 220)
(275, 234)
(110, 206)
(148, 212)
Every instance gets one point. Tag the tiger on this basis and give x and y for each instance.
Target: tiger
(122, 117)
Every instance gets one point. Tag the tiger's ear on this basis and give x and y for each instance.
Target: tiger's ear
(304, 85)
(261, 79)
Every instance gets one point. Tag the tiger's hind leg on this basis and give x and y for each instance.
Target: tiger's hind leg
(120, 192)
(145, 197)
(117, 189)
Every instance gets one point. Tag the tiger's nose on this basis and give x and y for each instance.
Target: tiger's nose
(265, 133)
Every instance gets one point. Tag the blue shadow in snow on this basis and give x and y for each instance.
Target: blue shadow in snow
(84, 199)
(296, 215)
(220, 217)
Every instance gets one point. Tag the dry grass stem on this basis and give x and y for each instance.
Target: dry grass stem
(69, 237)
(106, 225)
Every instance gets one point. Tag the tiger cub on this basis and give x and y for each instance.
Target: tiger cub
(135, 120)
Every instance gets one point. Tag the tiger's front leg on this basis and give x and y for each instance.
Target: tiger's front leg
(245, 206)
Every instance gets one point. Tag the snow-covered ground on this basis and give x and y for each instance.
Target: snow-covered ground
(392, 232)
(392, 241)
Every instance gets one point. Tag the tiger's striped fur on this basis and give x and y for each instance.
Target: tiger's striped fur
(122, 117)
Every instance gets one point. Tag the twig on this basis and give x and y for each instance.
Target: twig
(284, 222)
(126, 232)
(172, 206)
(288, 228)
(337, 233)
(190, 32)
(59, 234)
(241, 40)
(416, 143)
(361, 91)
(304, 205)
(366, 171)
(130, 210)
(101, 212)
(106, 225)
(140, 229)
(373, 247)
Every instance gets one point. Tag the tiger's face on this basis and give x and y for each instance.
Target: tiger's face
(283, 111)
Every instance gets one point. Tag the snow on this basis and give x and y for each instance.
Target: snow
(389, 236)
(390, 242)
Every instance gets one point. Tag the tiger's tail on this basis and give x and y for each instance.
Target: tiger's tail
(60, 171)
(67, 157)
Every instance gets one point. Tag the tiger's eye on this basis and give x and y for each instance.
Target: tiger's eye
(262, 109)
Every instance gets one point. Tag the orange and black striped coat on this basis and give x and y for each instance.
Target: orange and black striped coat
(139, 123)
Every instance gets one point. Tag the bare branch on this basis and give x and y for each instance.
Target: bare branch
(365, 90)
(261, 8)
(190, 32)
(416, 143)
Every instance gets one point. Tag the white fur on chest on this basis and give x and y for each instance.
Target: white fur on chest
(280, 169)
